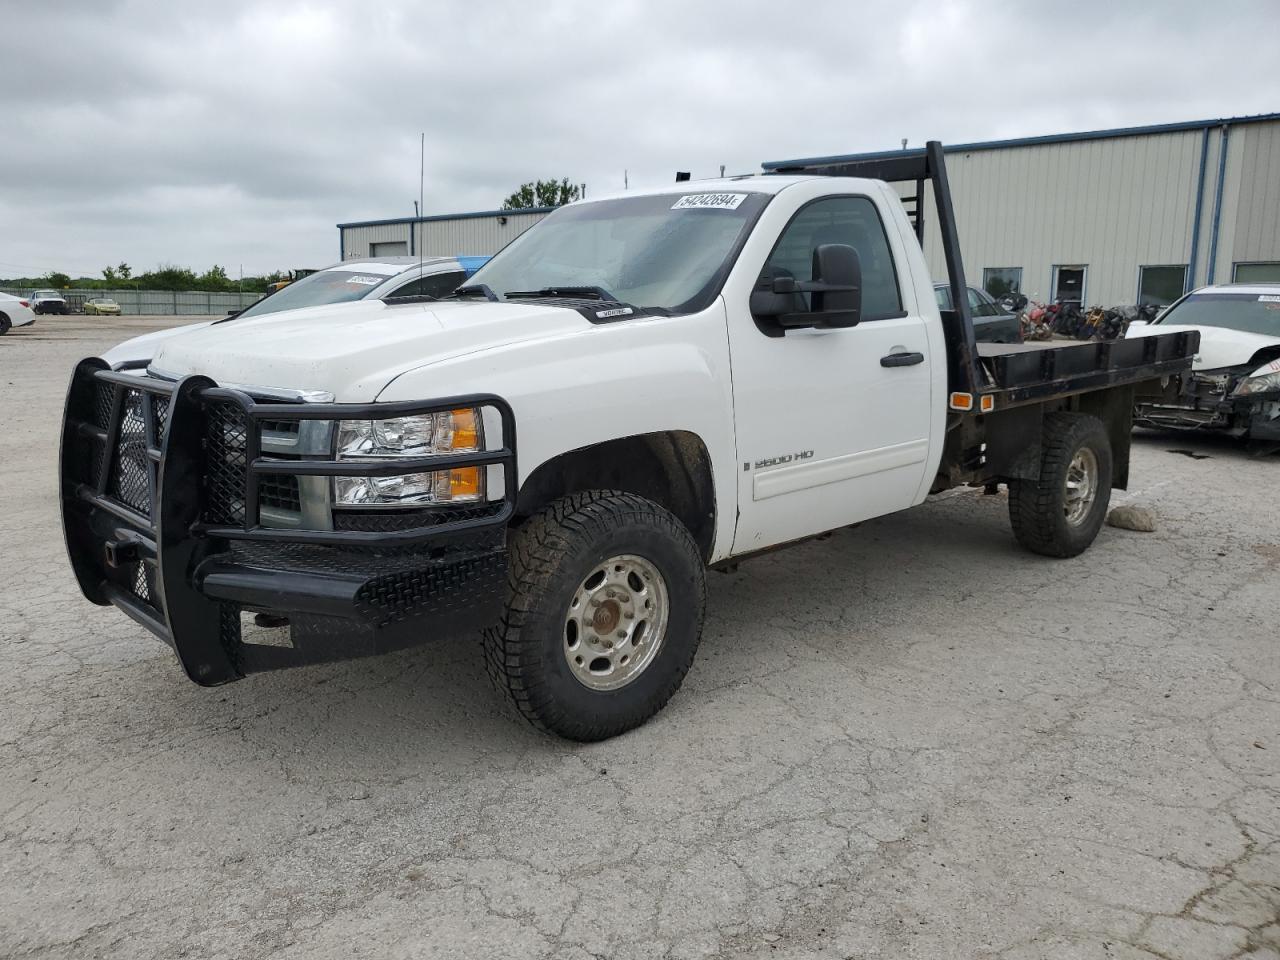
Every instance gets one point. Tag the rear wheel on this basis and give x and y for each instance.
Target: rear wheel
(603, 618)
(1060, 513)
(5, 324)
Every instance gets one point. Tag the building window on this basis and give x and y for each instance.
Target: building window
(392, 248)
(1160, 286)
(1068, 284)
(1256, 273)
(1001, 281)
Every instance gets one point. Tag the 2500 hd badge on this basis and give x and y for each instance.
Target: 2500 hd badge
(777, 461)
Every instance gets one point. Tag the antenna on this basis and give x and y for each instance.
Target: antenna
(422, 200)
(625, 184)
(722, 171)
(904, 143)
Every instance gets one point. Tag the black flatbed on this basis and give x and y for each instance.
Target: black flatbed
(1027, 372)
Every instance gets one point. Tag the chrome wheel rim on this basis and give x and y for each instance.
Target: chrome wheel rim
(616, 622)
(1082, 486)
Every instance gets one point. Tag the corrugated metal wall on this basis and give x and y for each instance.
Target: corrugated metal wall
(1116, 205)
(473, 236)
(461, 236)
(1110, 205)
(1255, 179)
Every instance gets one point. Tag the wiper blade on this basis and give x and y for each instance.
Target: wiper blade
(411, 298)
(472, 289)
(591, 293)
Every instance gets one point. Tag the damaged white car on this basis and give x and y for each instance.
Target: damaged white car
(1235, 386)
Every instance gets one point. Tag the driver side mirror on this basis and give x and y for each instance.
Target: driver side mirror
(835, 292)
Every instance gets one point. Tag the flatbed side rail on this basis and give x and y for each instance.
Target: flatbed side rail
(964, 370)
(1054, 371)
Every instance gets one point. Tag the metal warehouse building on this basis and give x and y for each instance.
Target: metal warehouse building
(1109, 217)
(459, 234)
(1115, 217)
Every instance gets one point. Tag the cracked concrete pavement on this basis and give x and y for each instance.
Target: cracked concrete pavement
(909, 740)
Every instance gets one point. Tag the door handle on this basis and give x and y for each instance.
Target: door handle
(904, 359)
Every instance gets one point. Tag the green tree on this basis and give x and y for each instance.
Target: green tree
(214, 279)
(168, 277)
(110, 276)
(542, 193)
(124, 270)
(58, 280)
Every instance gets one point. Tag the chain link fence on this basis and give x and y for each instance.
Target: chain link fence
(152, 302)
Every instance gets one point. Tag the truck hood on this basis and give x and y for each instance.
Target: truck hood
(1219, 346)
(144, 347)
(353, 350)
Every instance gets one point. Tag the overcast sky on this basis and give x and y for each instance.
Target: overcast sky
(240, 132)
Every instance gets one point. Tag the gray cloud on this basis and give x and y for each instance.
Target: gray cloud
(240, 132)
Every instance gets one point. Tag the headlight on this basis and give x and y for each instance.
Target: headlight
(452, 431)
(460, 485)
(1258, 384)
(425, 435)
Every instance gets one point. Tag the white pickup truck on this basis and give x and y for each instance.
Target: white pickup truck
(637, 388)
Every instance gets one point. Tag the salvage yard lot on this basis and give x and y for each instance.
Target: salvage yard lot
(912, 739)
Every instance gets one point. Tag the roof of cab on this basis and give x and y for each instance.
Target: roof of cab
(749, 183)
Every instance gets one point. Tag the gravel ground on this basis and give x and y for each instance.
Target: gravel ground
(907, 740)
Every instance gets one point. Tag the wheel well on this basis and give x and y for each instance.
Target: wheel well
(671, 468)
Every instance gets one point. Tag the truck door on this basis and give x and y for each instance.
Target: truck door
(832, 425)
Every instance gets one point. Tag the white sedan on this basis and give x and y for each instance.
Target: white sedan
(14, 313)
(1235, 382)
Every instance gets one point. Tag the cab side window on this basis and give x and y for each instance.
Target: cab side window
(436, 285)
(849, 220)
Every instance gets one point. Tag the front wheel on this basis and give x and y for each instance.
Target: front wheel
(606, 598)
(1060, 513)
(5, 324)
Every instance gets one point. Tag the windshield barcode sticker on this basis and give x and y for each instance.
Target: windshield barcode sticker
(709, 201)
(366, 280)
(1268, 298)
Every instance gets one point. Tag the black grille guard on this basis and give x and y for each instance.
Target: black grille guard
(151, 520)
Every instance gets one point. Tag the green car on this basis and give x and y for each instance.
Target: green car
(102, 306)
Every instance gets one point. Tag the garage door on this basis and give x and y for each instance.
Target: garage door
(391, 248)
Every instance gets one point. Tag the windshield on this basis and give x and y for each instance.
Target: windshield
(1250, 312)
(46, 293)
(327, 286)
(668, 253)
